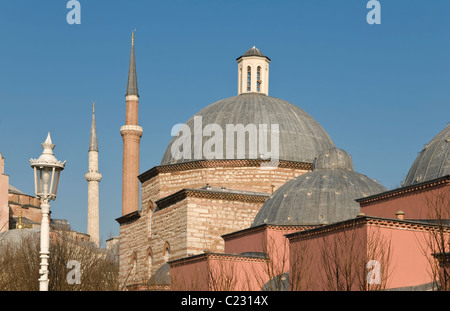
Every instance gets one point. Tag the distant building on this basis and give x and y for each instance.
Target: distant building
(22, 211)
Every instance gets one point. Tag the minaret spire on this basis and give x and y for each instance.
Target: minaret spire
(132, 87)
(93, 177)
(93, 145)
(131, 134)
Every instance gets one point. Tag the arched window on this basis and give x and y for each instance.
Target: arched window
(258, 79)
(240, 81)
(134, 267)
(249, 79)
(149, 263)
(150, 209)
(166, 252)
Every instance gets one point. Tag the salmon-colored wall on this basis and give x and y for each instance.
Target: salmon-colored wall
(410, 257)
(405, 261)
(4, 211)
(192, 275)
(243, 273)
(312, 256)
(245, 241)
(218, 272)
(413, 204)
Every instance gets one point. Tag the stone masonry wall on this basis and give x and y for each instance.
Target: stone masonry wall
(238, 178)
(191, 225)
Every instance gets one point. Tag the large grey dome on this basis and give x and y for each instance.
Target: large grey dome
(325, 195)
(433, 161)
(301, 137)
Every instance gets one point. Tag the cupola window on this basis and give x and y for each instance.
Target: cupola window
(258, 79)
(249, 79)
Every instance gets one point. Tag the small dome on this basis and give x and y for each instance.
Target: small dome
(325, 195)
(333, 159)
(433, 161)
(253, 52)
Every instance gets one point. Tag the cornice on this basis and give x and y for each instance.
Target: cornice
(207, 255)
(264, 227)
(210, 194)
(128, 217)
(218, 163)
(367, 220)
(388, 195)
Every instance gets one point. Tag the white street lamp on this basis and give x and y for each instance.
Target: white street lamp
(46, 177)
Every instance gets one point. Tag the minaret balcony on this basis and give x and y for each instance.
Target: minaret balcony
(93, 176)
(131, 128)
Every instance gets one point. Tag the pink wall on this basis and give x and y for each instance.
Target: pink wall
(250, 240)
(314, 256)
(414, 204)
(190, 275)
(4, 210)
(211, 271)
(219, 272)
(410, 257)
(265, 239)
(403, 262)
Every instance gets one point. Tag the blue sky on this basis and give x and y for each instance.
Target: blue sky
(380, 91)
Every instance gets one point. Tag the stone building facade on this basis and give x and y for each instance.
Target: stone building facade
(190, 201)
(186, 208)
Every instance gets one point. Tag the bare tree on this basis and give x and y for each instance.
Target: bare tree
(348, 253)
(222, 274)
(20, 264)
(276, 264)
(437, 241)
(302, 262)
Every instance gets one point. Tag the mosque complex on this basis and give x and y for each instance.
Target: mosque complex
(234, 219)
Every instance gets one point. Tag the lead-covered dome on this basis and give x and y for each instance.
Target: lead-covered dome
(325, 195)
(301, 137)
(433, 161)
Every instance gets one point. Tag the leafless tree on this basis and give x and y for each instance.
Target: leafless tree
(438, 240)
(222, 274)
(275, 265)
(20, 263)
(302, 262)
(351, 256)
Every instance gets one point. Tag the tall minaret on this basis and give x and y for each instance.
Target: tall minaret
(93, 178)
(131, 134)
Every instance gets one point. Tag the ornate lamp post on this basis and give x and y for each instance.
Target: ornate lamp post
(46, 177)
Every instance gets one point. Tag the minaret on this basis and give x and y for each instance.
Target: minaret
(131, 134)
(93, 178)
(253, 72)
